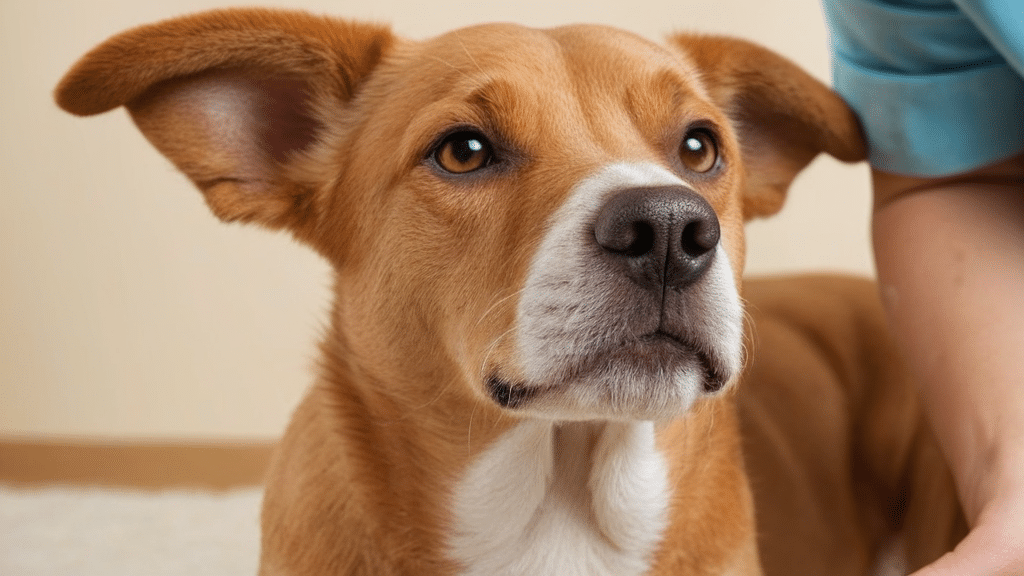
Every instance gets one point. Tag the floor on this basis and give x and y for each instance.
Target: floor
(56, 531)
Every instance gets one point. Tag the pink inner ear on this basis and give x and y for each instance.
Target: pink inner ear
(229, 123)
(286, 125)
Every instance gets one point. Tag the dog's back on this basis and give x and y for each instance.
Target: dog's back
(839, 454)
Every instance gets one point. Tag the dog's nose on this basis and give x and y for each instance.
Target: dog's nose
(659, 236)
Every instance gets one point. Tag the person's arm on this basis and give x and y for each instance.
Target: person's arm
(950, 258)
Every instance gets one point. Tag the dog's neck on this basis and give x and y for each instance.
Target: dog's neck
(567, 499)
(535, 497)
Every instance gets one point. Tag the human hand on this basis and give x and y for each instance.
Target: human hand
(994, 547)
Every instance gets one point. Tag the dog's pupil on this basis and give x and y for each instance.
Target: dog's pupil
(465, 150)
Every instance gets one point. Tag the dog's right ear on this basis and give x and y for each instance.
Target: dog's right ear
(785, 117)
(235, 98)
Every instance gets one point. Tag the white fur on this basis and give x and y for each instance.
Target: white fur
(564, 299)
(580, 491)
(577, 499)
(560, 276)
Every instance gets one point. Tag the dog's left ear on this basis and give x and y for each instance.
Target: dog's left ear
(784, 116)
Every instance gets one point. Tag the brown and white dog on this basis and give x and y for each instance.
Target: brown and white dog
(537, 333)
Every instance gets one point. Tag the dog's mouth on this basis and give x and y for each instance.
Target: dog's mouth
(713, 377)
(633, 371)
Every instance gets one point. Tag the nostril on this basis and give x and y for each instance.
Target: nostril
(624, 235)
(642, 241)
(700, 237)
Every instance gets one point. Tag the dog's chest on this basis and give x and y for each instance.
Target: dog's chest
(566, 500)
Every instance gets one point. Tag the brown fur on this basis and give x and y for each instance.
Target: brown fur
(834, 435)
(326, 138)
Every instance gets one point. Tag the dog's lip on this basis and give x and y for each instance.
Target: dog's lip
(655, 346)
(714, 377)
(508, 394)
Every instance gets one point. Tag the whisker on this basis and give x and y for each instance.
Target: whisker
(468, 55)
(477, 82)
(497, 303)
(490, 350)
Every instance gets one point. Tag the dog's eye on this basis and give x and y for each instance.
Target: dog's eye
(699, 152)
(464, 152)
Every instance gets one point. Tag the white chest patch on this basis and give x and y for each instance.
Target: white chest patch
(574, 499)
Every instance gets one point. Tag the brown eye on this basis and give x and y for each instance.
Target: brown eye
(698, 151)
(464, 152)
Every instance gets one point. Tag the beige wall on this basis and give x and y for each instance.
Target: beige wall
(126, 309)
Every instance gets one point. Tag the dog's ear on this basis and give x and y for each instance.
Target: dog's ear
(235, 98)
(784, 116)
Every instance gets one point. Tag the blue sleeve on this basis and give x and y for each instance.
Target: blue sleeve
(938, 85)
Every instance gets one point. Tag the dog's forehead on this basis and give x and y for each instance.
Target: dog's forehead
(596, 91)
(577, 54)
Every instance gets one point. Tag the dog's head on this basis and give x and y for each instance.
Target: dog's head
(550, 218)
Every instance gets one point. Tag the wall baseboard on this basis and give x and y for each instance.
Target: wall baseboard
(144, 465)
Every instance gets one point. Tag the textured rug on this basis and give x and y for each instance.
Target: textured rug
(105, 532)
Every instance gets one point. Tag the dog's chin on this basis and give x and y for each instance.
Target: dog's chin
(656, 377)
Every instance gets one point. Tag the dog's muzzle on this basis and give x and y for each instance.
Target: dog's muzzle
(630, 309)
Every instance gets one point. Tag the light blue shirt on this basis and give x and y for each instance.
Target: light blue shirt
(938, 84)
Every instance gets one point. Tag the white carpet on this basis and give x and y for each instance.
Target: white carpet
(94, 532)
(97, 532)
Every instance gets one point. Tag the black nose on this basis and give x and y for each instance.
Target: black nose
(659, 236)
